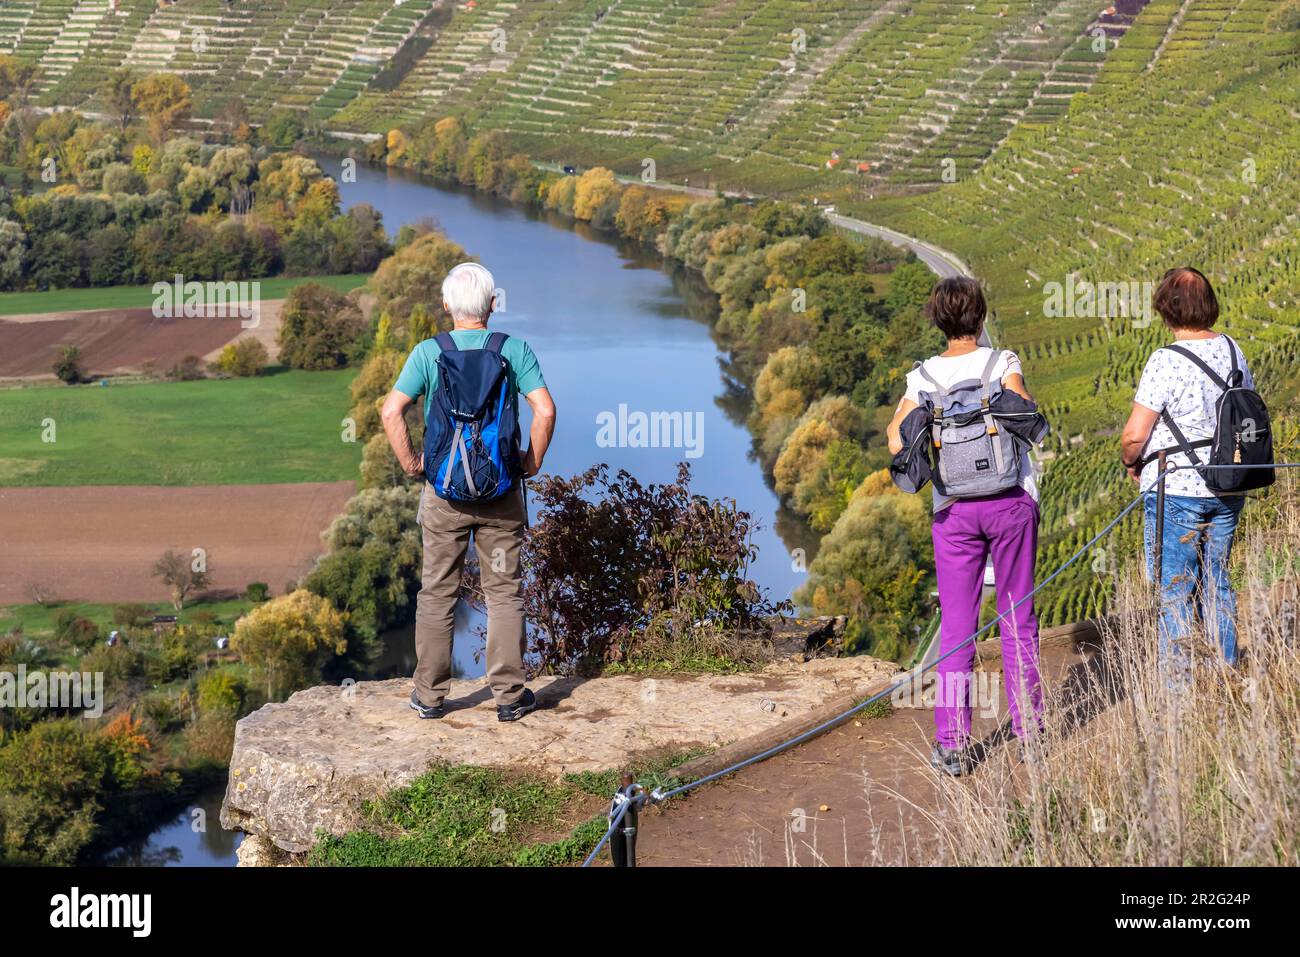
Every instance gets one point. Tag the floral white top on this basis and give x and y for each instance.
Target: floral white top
(1173, 383)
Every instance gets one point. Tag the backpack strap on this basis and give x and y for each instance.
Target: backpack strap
(445, 342)
(495, 341)
(1201, 364)
(990, 426)
(925, 374)
(1184, 446)
(936, 420)
(1235, 376)
(987, 377)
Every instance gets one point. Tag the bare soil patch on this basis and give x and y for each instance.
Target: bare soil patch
(99, 543)
(121, 341)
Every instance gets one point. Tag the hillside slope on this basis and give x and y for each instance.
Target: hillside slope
(1192, 160)
(774, 89)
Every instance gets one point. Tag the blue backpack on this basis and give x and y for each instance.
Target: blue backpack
(471, 437)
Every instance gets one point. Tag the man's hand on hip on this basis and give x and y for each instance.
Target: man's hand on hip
(527, 466)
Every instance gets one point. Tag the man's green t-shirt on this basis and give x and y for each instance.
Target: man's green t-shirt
(420, 374)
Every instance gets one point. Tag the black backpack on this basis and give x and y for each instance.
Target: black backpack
(1242, 433)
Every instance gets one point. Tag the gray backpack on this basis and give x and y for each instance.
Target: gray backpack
(973, 455)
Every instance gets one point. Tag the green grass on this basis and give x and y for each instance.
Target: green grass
(468, 816)
(142, 297)
(37, 621)
(283, 427)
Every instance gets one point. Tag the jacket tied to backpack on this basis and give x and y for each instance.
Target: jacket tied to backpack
(471, 435)
(968, 439)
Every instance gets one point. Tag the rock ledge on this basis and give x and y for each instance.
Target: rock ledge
(309, 763)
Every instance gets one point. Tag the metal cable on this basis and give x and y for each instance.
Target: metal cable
(657, 796)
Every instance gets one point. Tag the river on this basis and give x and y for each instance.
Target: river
(613, 326)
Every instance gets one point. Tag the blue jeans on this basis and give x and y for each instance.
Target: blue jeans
(1197, 544)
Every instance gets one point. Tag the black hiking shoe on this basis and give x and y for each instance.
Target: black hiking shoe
(424, 711)
(513, 712)
(951, 761)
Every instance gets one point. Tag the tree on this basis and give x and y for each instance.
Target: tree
(109, 255)
(283, 129)
(51, 778)
(320, 328)
(242, 359)
(119, 99)
(597, 189)
(371, 387)
(414, 274)
(68, 366)
(165, 101)
(875, 566)
(287, 640)
(372, 570)
(232, 118)
(16, 78)
(13, 244)
(183, 576)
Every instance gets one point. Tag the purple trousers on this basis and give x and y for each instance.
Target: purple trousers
(966, 533)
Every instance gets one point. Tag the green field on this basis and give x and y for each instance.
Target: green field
(37, 621)
(142, 297)
(283, 427)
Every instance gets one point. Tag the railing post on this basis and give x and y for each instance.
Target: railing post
(623, 852)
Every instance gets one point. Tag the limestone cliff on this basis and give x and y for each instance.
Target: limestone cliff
(308, 764)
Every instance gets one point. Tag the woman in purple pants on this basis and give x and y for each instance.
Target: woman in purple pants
(968, 532)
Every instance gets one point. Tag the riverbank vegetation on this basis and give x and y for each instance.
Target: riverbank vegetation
(71, 784)
(819, 328)
(105, 203)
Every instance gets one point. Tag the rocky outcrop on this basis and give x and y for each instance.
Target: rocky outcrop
(307, 765)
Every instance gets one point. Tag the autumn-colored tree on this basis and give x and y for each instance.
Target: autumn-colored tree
(287, 177)
(413, 275)
(371, 386)
(398, 143)
(287, 640)
(165, 101)
(320, 328)
(247, 357)
(595, 195)
(874, 568)
(560, 194)
(16, 78)
(128, 747)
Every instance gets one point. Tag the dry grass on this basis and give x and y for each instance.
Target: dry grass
(1135, 772)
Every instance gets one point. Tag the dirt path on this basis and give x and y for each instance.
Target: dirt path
(99, 543)
(863, 794)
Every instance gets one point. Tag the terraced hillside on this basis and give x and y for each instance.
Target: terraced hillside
(1051, 141)
(1190, 160)
(783, 92)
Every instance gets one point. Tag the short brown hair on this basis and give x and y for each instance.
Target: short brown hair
(1186, 300)
(956, 307)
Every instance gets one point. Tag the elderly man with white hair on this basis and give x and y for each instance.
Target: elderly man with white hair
(447, 520)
